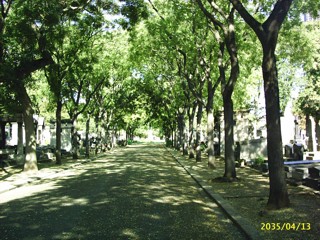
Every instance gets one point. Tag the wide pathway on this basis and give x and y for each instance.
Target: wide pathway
(138, 192)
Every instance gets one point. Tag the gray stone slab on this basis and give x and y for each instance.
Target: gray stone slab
(300, 175)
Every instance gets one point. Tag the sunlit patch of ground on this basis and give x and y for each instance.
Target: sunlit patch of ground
(249, 197)
(138, 192)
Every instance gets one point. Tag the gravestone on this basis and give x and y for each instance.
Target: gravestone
(298, 151)
(312, 183)
(314, 172)
(288, 170)
(300, 173)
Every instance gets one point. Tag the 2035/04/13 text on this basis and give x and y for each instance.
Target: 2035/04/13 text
(285, 226)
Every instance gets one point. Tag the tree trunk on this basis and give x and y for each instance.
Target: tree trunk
(180, 145)
(278, 196)
(268, 33)
(198, 134)
(58, 132)
(191, 137)
(20, 153)
(74, 141)
(231, 44)
(87, 138)
(98, 139)
(210, 126)
(217, 130)
(309, 133)
(317, 126)
(175, 141)
(30, 164)
(230, 168)
(172, 137)
(210, 133)
(184, 136)
(2, 141)
(3, 135)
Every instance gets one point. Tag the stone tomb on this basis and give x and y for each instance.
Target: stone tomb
(313, 180)
(300, 173)
(300, 170)
(314, 172)
(307, 174)
(312, 183)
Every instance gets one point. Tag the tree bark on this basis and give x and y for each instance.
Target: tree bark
(278, 196)
(20, 153)
(30, 164)
(3, 135)
(184, 135)
(210, 126)
(230, 168)
(180, 131)
(210, 134)
(228, 88)
(191, 138)
(198, 134)
(309, 133)
(172, 137)
(268, 35)
(217, 129)
(87, 137)
(58, 132)
(74, 141)
(317, 127)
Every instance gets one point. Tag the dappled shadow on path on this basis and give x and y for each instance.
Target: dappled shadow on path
(137, 193)
(249, 197)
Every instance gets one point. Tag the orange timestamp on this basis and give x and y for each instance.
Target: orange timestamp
(285, 226)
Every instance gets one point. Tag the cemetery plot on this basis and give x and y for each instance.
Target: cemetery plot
(304, 172)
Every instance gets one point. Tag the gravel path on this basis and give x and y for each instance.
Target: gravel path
(138, 192)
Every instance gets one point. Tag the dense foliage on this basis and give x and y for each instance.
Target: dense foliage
(132, 65)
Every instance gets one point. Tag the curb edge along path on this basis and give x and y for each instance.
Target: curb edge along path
(243, 224)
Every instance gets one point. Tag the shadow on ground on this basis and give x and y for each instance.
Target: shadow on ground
(249, 198)
(137, 193)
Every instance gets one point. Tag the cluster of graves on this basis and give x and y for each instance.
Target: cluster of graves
(12, 138)
(306, 171)
(301, 148)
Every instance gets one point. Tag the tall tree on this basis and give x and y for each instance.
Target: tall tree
(22, 52)
(267, 32)
(222, 19)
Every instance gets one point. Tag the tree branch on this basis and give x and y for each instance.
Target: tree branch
(277, 15)
(248, 18)
(26, 68)
(209, 15)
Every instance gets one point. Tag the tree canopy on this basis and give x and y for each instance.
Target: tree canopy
(159, 64)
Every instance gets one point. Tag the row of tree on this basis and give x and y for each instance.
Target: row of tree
(126, 63)
(197, 48)
(64, 57)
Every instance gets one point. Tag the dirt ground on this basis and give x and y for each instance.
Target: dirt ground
(138, 192)
(249, 197)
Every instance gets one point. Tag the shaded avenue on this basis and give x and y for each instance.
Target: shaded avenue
(138, 192)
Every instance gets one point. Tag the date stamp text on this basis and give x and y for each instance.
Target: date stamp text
(285, 226)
